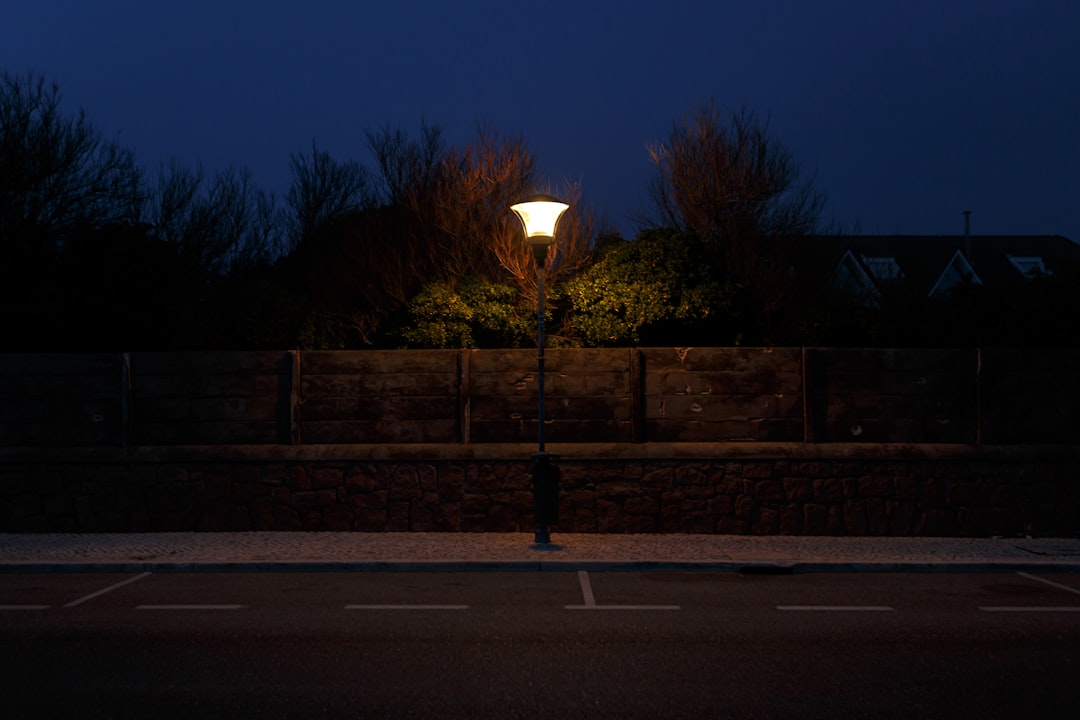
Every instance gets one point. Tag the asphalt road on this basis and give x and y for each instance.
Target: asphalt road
(539, 645)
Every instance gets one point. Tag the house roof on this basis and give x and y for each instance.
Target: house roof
(934, 262)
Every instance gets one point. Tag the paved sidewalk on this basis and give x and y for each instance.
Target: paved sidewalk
(309, 551)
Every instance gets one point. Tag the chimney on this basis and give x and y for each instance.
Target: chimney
(967, 235)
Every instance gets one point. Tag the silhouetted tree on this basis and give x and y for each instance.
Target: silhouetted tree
(355, 273)
(475, 249)
(323, 191)
(735, 187)
(217, 224)
(431, 216)
(57, 176)
(407, 168)
(59, 181)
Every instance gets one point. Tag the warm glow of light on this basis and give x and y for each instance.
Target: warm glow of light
(539, 215)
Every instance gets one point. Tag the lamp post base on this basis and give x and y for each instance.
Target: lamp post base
(545, 477)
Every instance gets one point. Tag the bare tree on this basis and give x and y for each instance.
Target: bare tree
(476, 186)
(456, 202)
(323, 190)
(406, 168)
(217, 223)
(435, 214)
(734, 186)
(477, 234)
(57, 176)
(572, 252)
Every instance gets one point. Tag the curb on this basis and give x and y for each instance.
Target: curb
(432, 566)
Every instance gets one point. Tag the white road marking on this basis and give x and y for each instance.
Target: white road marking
(1051, 583)
(586, 588)
(109, 589)
(190, 607)
(590, 599)
(622, 607)
(1033, 609)
(406, 607)
(23, 607)
(835, 608)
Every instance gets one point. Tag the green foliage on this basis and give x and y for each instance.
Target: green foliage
(658, 287)
(470, 313)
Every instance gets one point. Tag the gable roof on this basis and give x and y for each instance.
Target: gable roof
(957, 272)
(933, 263)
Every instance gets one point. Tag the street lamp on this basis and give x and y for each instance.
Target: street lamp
(539, 215)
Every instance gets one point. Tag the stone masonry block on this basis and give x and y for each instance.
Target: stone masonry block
(405, 484)
(641, 506)
(296, 476)
(855, 518)
(798, 489)
(757, 470)
(879, 486)
(769, 491)
(689, 475)
(766, 521)
(327, 477)
(791, 517)
(428, 476)
(662, 478)
(815, 519)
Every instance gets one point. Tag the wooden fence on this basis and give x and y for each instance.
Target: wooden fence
(639, 395)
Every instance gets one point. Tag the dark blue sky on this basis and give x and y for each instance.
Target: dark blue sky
(907, 111)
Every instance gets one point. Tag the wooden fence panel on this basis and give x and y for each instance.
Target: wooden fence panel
(211, 398)
(996, 396)
(587, 395)
(892, 395)
(393, 396)
(58, 400)
(1030, 396)
(722, 394)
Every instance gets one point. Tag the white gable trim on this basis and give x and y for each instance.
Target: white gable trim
(856, 272)
(958, 266)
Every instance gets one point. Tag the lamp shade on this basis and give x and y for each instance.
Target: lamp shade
(539, 216)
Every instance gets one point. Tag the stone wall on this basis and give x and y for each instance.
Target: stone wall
(780, 489)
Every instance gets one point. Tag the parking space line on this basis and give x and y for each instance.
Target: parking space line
(1051, 583)
(24, 607)
(109, 589)
(1032, 609)
(590, 599)
(406, 607)
(190, 607)
(622, 607)
(835, 608)
(586, 588)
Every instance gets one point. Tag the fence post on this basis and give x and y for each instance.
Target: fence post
(978, 396)
(125, 400)
(464, 363)
(637, 396)
(296, 401)
(805, 400)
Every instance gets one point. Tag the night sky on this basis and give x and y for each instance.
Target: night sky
(907, 112)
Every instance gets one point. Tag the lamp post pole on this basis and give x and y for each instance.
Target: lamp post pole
(539, 217)
(541, 261)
